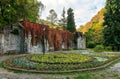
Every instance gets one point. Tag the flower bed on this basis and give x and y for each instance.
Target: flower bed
(59, 62)
(60, 58)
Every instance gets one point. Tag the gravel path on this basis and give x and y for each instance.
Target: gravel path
(5, 74)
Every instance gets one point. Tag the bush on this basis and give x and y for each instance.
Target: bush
(70, 49)
(108, 48)
(99, 48)
(91, 44)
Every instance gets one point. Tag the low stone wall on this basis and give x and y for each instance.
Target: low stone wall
(36, 48)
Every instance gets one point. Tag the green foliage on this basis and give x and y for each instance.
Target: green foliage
(93, 30)
(70, 20)
(112, 24)
(11, 11)
(23, 63)
(63, 20)
(59, 62)
(86, 76)
(91, 44)
(1, 64)
(51, 25)
(52, 17)
(61, 58)
(108, 48)
(99, 48)
(96, 22)
(71, 49)
(67, 78)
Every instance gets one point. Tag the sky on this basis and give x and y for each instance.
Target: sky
(83, 10)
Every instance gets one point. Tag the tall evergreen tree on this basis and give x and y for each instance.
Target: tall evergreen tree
(70, 20)
(112, 24)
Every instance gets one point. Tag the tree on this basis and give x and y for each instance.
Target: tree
(11, 11)
(63, 20)
(89, 38)
(70, 20)
(52, 17)
(112, 24)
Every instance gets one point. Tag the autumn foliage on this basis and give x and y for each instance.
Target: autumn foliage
(55, 37)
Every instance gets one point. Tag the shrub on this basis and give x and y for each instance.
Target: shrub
(70, 49)
(99, 48)
(91, 44)
(86, 76)
(67, 78)
(108, 48)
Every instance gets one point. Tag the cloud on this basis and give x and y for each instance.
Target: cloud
(84, 10)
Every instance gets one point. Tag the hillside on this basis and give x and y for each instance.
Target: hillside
(93, 30)
(95, 23)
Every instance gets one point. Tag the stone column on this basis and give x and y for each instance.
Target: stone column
(1, 43)
(22, 39)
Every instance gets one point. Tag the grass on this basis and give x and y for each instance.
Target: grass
(1, 64)
(86, 76)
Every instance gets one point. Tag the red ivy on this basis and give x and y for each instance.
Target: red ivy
(55, 37)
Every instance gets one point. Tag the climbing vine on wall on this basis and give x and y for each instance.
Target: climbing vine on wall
(55, 37)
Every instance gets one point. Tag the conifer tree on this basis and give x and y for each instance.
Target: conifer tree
(70, 20)
(112, 24)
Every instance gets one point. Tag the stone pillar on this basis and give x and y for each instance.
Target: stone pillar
(22, 39)
(84, 42)
(1, 43)
(81, 43)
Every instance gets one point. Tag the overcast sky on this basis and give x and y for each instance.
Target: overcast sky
(84, 10)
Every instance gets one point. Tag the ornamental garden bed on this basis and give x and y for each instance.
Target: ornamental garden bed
(59, 62)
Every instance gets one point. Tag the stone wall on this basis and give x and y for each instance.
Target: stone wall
(1, 43)
(36, 48)
(9, 43)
